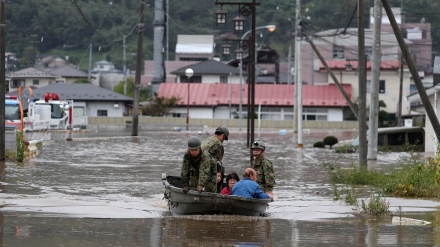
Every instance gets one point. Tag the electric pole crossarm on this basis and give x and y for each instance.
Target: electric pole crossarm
(412, 67)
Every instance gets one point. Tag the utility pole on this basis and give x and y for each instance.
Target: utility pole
(298, 77)
(362, 114)
(2, 79)
(137, 80)
(413, 69)
(124, 58)
(399, 105)
(90, 61)
(375, 75)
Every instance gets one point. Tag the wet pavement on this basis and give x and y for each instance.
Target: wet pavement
(104, 188)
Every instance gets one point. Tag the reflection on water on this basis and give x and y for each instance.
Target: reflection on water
(104, 188)
(22, 230)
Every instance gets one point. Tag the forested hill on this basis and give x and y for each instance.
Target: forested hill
(69, 27)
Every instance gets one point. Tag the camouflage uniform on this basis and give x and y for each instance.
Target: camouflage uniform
(199, 172)
(214, 147)
(265, 174)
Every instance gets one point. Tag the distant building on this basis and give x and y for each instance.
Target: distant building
(40, 77)
(105, 75)
(194, 47)
(91, 100)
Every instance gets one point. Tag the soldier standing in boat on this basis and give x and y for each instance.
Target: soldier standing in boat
(213, 145)
(263, 167)
(198, 168)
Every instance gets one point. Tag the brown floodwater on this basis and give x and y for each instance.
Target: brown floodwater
(104, 188)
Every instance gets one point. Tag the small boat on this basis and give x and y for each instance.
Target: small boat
(195, 203)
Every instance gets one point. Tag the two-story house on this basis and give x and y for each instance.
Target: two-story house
(40, 77)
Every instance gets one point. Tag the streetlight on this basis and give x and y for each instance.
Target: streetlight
(189, 73)
(245, 9)
(239, 56)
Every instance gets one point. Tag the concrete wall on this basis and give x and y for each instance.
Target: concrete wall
(231, 123)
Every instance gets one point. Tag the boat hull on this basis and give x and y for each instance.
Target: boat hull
(195, 203)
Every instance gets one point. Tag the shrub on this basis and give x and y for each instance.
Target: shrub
(345, 149)
(319, 144)
(330, 140)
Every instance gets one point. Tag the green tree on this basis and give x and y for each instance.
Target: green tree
(143, 92)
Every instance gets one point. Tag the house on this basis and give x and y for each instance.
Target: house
(418, 33)
(209, 71)
(431, 143)
(389, 82)
(88, 98)
(340, 52)
(222, 101)
(40, 77)
(105, 75)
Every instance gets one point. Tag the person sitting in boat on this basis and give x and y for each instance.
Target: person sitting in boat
(213, 145)
(263, 167)
(231, 180)
(198, 168)
(220, 178)
(248, 187)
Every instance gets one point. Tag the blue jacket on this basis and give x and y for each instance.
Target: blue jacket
(249, 189)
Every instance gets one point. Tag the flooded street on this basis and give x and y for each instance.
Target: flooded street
(104, 188)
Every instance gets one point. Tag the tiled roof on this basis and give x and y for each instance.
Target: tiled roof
(78, 91)
(63, 71)
(203, 94)
(67, 71)
(209, 67)
(31, 72)
(341, 64)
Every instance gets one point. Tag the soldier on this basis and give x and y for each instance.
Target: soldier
(198, 168)
(214, 146)
(263, 167)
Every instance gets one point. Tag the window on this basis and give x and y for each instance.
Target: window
(338, 52)
(396, 139)
(223, 79)
(35, 82)
(17, 83)
(102, 113)
(315, 114)
(415, 138)
(412, 89)
(381, 86)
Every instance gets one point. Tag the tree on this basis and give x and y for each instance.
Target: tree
(119, 88)
(159, 106)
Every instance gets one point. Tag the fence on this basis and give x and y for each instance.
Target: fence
(164, 123)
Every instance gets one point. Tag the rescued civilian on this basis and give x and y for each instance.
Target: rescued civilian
(248, 187)
(231, 180)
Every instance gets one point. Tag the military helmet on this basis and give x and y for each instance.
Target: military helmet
(258, 144)
(222, 130)
(194, 142)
